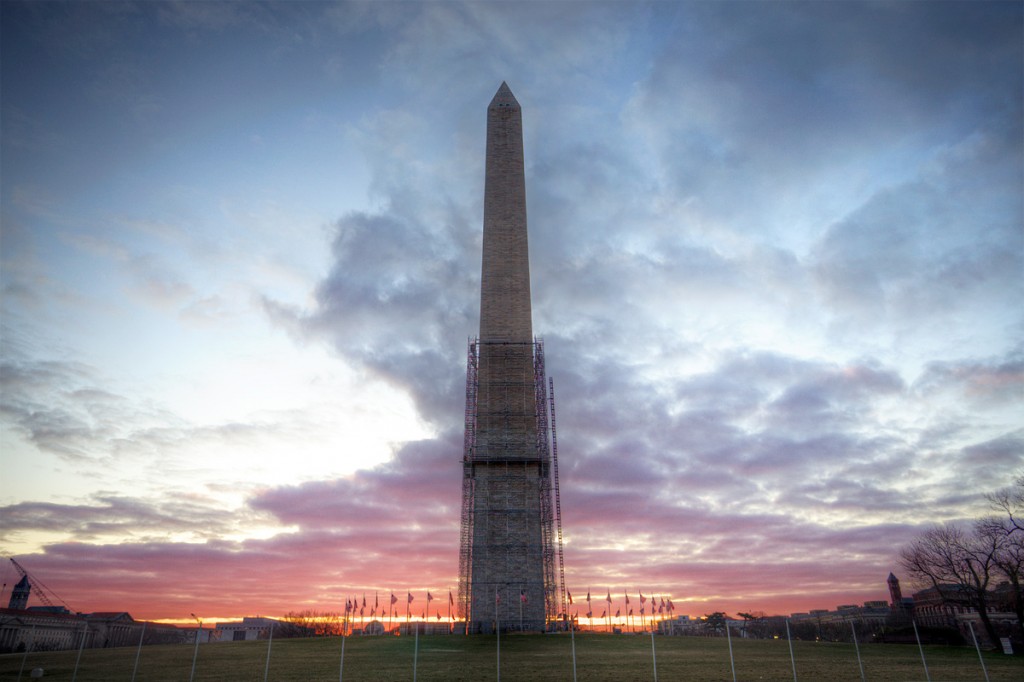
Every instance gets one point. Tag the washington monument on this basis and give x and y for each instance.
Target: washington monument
(507, 554)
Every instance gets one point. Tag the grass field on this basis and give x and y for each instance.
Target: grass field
(523, 657)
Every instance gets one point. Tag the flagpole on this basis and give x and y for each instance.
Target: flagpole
(654, 656)
(590, 610)
(572, 638)
(341, 667)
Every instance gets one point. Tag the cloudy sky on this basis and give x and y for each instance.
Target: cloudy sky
(777, 257)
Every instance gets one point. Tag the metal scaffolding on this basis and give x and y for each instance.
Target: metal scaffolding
(558, 503)
(496, 454)
(468, 448)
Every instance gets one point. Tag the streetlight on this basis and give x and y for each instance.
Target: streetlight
(195, 654)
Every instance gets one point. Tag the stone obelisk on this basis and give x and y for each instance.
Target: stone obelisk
(507, 573)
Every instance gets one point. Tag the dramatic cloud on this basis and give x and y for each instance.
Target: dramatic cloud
(776, 259)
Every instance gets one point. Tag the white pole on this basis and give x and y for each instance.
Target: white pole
(138, 652)
(654, 656)
(195, 654)
(728, 637)
(344, 628)
(791, 657)
(978, 649)
(497, 628)
(31, 641)
(270, 643)
(856, 648)
(921, 649)
(85, 629)
(416, 652)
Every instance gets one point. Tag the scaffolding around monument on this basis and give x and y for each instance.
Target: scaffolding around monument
(489, 455)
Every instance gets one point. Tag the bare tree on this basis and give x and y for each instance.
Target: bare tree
(947, 555)
(1008, 525)
(312, 623)
(1009, 503)
(297, 624)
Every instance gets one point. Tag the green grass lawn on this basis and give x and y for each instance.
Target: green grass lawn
(523, 657)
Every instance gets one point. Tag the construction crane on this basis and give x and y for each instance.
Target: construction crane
(42, 592)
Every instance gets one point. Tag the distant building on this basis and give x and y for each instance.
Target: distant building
(55, 629)
(676, 626)
(247, 630)
(950, 606)
(22, 630)
(113, 628)
(895, 594)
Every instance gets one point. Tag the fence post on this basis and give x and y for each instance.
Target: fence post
(732, 663)
(270, 643)
(32, 641)
(856, 648)
(85, 629)
(978, 649)
(921, 649)
(654, 656)
(792, 658)
(138, 652)
(195, 654)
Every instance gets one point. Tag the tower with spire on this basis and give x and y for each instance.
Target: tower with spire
(895, 594)
(507, 548)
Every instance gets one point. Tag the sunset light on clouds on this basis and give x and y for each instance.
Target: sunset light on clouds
(777, 256)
